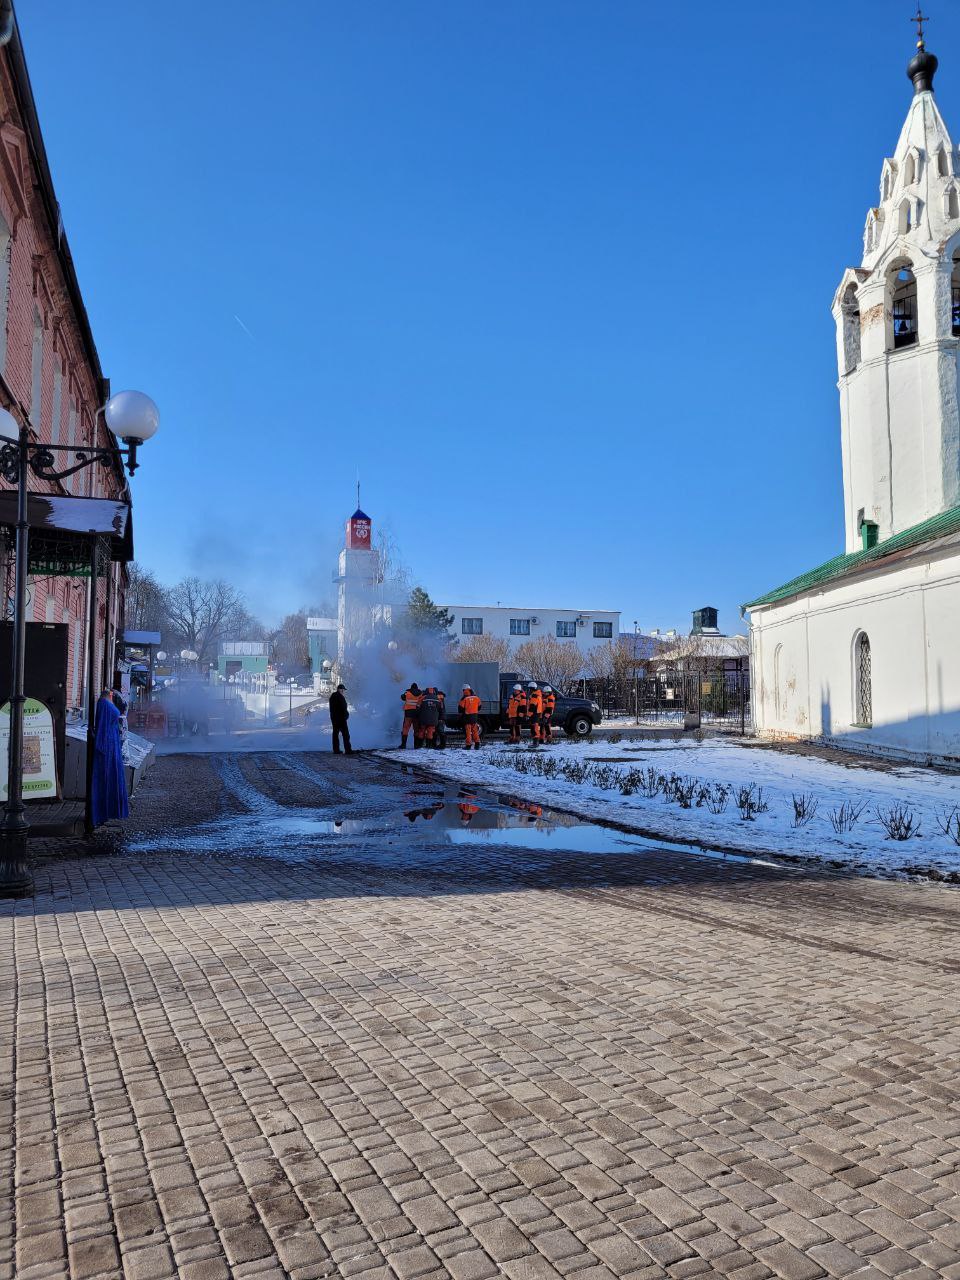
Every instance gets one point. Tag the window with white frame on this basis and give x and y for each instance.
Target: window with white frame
(566, 631)
(519, 626)
(36, 369)
(471, 626)
(603, 631)
(57, 403)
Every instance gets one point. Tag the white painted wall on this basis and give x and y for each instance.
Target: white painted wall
(911, 612)
(543, 622)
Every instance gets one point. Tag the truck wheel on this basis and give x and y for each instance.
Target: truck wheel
(579, 726)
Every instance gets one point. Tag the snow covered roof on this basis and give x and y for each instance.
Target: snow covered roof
(938, 526)
(703, 645)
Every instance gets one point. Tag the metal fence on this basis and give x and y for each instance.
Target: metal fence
(718, 699)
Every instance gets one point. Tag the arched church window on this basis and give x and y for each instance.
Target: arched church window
(863, 681)
(952, 203)
(955, 296)
(905, 221)
(909, 170)
(903, 286)
(850, 310)
(943, 169)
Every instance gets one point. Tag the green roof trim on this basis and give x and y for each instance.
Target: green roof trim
(938, 526)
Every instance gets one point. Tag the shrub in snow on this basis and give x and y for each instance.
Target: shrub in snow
(631, 781)
(899, 821)
(684, 791)
(718, 797)
(651, 783)
(804, 809)
(949, 823)
(576, 770)
(750, 802)
(846, 816)
(605, 777)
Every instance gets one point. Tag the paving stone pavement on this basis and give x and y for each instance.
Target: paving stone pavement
(234, 1046)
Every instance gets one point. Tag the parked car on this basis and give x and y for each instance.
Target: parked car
(576, 716)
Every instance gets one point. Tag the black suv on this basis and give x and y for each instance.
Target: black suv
(575, 716)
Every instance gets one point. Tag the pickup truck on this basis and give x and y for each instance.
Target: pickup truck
(575, 716)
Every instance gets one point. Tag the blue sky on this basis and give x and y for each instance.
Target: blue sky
(554, 275)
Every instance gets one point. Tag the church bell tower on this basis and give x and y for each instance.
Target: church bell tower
(898, 332)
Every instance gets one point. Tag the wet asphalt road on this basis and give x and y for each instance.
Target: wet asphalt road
(318, 1017)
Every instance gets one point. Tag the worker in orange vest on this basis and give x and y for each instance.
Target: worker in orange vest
(469, 708)
(411, 699)
(534, 712)
(516, 711)
(549, 706)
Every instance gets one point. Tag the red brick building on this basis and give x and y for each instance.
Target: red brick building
(50, 372)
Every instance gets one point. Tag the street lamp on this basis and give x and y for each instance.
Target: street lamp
(133, 418)
(636, 673)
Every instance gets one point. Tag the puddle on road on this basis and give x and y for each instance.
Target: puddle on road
(432, 823)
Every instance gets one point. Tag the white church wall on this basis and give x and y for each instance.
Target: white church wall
(805, 665)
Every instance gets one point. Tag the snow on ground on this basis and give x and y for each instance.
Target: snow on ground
(781, 775)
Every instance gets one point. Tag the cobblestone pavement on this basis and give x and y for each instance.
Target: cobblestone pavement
(281, 1029)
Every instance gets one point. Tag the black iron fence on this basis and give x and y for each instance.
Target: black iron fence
(718, 698)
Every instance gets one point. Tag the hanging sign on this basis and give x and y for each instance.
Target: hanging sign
(39, 751)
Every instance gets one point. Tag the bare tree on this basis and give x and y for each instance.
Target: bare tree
(551, 661)
(145, 605)
(291, 646)
(480, 649)
(204, 613)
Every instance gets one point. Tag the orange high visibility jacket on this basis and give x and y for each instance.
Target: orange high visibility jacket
(469, 704)
(549, 702)
(517, 706)
(411, 701)
(535, 702)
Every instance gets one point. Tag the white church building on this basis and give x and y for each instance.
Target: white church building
(864, 651)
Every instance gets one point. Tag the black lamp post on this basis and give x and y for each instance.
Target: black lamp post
(133, 418)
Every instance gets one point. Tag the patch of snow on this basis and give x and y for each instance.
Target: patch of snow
(780, 774)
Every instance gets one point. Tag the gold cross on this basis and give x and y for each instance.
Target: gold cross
(919, 18)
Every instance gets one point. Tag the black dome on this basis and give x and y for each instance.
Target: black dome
(921, 70)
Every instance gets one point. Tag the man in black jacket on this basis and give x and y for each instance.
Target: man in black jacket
(339, 715)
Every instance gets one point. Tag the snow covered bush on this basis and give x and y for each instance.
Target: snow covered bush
(718, 797)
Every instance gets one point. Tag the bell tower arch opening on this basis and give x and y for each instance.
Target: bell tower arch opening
(901, 305)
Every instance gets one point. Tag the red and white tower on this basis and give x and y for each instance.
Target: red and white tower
(358, 583)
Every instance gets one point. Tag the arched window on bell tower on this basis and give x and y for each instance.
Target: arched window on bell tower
(955, 296)
(850, 309)
(902, 300)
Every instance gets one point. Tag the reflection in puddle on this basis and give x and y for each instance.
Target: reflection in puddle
(453, 818)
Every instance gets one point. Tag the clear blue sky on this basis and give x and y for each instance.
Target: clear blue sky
(555, 275)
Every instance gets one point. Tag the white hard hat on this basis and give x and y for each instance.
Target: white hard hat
(467, 689)
(532, 684)
(518, 686)
(547, 689)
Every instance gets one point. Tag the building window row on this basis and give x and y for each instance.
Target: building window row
(471, 626)
(566, 631)
(519, 626)
(603, 631)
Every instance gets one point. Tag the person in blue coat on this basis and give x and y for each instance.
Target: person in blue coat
(109, 796)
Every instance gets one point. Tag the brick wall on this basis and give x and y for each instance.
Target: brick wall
(35, 284)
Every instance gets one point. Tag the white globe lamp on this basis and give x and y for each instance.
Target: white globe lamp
(133, 418)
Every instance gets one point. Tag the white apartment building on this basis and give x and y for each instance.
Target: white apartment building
(515, 624)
